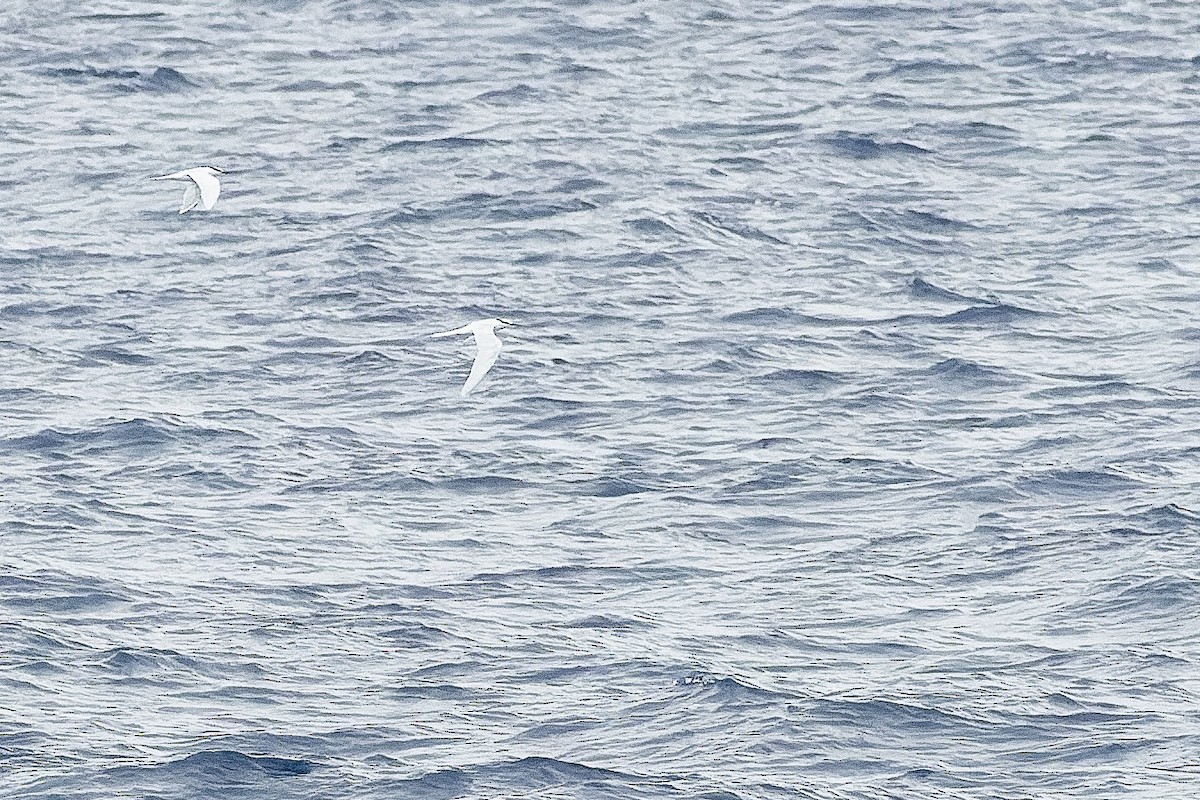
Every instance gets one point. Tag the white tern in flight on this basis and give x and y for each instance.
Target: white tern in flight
(487, 346)
(203, 187)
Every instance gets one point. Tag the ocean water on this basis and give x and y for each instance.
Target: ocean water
(847, 445)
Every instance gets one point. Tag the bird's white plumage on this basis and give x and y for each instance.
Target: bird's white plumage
(210, 187)
(191, 198)
(487, 348)
(203, 187)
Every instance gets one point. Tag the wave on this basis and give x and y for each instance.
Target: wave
(1165, 594)
(414, 634)
(1000, 313)
(727, 691)
(37, 308)
(161, 80)
(864, 147)
(144, 16)
(604, 622)
(881, 717)
(217, 768)
(932, 223)
(483, 484)
(138, 435)
(442, 143)
(520, 93)
(961, 370)
(805, 379)
(774, 317)
(608, 487)
(71, 603)
(733, 130)
(524, 775)
(320, 86)
(1075, 482)
(1158, 521)
(735, 228)
(921, 289)
(586, 573)
(117, 355)
(575, 185)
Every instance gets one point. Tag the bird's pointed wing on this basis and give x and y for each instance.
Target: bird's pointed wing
(455, 332)
(210, 187)
(191, 196)
(489, 348)
(174, 176)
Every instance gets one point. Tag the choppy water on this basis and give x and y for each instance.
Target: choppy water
(847, 446)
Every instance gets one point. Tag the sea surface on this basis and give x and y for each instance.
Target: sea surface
(847, 443)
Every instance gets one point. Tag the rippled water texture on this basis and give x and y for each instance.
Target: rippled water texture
(846, 446)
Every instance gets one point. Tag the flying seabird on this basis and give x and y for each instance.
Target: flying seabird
(203, 187)
(487, 346)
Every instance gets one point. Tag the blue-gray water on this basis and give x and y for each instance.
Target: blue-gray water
(848, 445)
